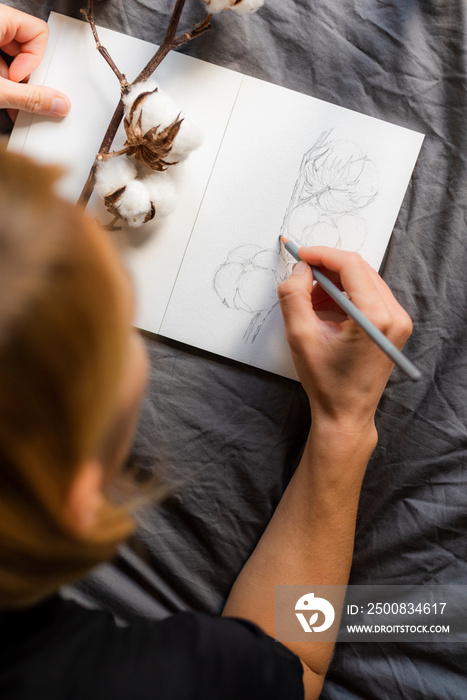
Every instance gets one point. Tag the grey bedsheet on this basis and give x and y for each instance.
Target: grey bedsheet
(233, 435)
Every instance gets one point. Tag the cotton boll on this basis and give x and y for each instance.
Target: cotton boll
(247, 6)
(147, 114)
(161, 191)
(134, 205)
(114, 173)
(215, 6)
(135, 90)
(157, 108)
(188, 139)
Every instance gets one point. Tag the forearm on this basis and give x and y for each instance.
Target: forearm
(309, 540)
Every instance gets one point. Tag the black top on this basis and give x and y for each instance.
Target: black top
(60, 650)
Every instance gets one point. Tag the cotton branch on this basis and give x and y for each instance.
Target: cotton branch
(169, 42)
(172, 43)
(89, 16)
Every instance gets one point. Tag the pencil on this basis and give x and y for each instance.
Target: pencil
(351, 310)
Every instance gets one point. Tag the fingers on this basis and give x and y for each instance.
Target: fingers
(342, 369)
(22, 66)
(24, 37)
(12, 113)
(402, 323)
(295, 301)
(33, 98)
(365, 287)
(353, 272)
(3, 69)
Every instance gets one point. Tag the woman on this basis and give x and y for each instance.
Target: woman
(72, 373)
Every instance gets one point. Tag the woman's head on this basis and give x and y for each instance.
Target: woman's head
(71, 376)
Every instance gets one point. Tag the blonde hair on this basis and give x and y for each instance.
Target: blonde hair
(63, 339)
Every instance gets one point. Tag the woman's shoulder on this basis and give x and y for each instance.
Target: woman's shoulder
(67, 650)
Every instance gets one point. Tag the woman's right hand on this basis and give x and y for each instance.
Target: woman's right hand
(25, 37)
(342, 370)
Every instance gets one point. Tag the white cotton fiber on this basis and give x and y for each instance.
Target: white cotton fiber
(135, 90)
(215, 6)
(161, 191)
(134, 205)
(113, 174)
(248, 5)
(188, 138)
(157, 109)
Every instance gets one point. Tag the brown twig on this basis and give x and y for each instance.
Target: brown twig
(89, 16)
(103, 150)
(169, 42)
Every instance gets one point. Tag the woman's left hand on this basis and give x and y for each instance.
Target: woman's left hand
(25, 38)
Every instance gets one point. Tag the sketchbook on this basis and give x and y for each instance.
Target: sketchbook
(272, 162)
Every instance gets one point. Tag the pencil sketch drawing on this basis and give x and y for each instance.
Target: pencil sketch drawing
(247, 281)
(336, 182)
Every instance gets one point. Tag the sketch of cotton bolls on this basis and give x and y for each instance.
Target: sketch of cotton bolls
(322, 233)
(247, 281)
(341, 179)
(336, 177)
(257, 289)
(243, 254)
(300, 220)
(347, 232)
(352, 231)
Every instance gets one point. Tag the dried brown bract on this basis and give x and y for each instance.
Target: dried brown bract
(153, 146)
(111, 200)
(116, 204)
(171, 40)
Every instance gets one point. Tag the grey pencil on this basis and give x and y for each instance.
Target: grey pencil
(351, 310)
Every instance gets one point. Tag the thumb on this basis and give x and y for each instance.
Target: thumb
(33, 98)
(295, 301)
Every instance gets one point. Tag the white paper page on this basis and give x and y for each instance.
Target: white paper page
(224, 294)
(205, 92)
(224, 299)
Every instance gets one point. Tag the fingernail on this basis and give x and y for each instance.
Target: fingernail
(59, 107)
(299, 268)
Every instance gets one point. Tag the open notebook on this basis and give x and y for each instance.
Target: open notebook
(272, 161)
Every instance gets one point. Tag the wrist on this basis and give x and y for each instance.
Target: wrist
(344, 433)
(338, 452)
